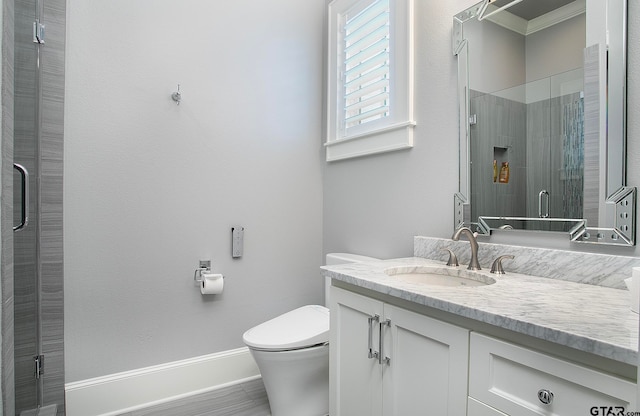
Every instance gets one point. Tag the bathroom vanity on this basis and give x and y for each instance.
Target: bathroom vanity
(522, 345)
(555, 335)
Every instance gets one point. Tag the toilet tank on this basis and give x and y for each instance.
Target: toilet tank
(341, 258)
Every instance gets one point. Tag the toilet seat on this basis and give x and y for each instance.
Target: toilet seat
(300, 328)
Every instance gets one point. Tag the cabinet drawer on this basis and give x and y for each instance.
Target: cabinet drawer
(509, 378)
(476, 408)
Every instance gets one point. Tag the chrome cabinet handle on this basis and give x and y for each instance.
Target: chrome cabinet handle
(375, 318)
(385, 360)
(546, 214)
(24, 211)
(545, 396)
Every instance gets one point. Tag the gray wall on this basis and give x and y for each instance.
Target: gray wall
(490, 46)
(556, 49)
(129, 298)
(539, 55)
(375, 205)
(151, 187)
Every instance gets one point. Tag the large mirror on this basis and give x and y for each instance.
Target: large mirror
(542, 118)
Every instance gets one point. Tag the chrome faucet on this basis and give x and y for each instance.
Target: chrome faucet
(473, 264)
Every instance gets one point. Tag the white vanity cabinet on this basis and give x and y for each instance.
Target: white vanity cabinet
(509, 379)
(387, 360)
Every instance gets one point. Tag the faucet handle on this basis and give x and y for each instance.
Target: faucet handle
(496, 267)
(453, 260)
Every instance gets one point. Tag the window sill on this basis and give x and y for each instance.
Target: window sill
(387, 139)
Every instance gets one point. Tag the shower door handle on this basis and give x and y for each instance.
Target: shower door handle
(540, 195)
(24, 210)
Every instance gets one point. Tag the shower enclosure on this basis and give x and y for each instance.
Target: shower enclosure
(537, 128)
(32, 277)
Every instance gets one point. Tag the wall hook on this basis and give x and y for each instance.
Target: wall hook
(176, 96)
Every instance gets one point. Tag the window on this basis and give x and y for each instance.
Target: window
(370, 77)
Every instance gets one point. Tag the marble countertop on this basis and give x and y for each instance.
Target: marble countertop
(589, 318)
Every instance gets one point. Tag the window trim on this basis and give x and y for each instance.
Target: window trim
(395, 132)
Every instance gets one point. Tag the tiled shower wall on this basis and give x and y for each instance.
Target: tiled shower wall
(44, 160)
(592, 134)
(539, 140)
(499, 133)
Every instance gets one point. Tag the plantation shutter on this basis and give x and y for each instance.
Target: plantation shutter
(366, 65)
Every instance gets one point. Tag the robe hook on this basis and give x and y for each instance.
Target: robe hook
(176, 96)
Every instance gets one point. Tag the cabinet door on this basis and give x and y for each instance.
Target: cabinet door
(356, 379)
(428, 365)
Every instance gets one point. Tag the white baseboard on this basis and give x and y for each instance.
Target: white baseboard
(122, 392)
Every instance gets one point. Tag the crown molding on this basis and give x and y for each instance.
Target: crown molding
(525, 28)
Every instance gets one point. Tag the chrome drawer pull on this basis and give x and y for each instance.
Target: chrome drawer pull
(545, 396)
(371, 320)
(381, 358)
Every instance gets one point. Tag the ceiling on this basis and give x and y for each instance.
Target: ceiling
(530, 9)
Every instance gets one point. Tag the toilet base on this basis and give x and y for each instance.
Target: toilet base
(297, 382)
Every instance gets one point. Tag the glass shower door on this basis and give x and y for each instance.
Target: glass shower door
(537, 130)
(27, 290)
(38, 294)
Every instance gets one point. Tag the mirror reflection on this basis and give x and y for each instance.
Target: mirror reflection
(533, 132)
(527, 149)
(526, 110)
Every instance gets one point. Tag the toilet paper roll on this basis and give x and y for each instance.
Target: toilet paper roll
(211, 284)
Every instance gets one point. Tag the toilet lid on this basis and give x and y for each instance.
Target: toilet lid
(299, 328)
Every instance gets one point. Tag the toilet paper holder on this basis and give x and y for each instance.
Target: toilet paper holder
(205, 267)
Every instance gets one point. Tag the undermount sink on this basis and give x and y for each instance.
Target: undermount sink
(439, 276)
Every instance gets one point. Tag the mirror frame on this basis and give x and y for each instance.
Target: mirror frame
(616, 201)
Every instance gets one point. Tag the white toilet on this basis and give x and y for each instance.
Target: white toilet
(292, 353)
